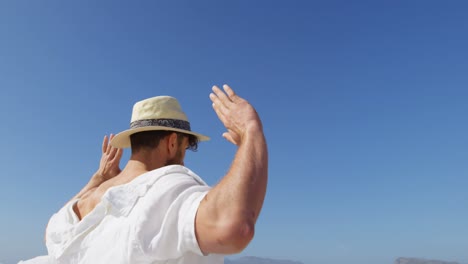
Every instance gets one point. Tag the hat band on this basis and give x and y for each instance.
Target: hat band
(172, 123)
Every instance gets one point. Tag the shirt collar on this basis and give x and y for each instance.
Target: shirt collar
(123, 198)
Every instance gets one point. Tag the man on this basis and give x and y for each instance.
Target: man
(156, 210)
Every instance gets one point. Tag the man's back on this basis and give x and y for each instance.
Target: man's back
(89, 200)
(148, 220)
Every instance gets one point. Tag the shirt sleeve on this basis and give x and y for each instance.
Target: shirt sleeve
(186, 222)
(59, 228)
(167, 228)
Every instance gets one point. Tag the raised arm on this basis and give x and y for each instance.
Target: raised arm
(108, 167)
(226, 218)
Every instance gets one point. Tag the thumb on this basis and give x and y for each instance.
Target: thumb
(229, 138)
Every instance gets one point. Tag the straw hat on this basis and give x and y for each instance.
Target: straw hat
(156, 113)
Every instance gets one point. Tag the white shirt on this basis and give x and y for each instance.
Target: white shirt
(148, 220)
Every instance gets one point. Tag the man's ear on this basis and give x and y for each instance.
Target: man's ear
(172, 144)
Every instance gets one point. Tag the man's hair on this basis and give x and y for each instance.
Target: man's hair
(151, 139)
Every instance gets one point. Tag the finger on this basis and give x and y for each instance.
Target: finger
(218, 105)
(118, 155)
(215, 99)
(220, 111)
(221, 95)
(104, 144)
(229, 138)
(232, 95)
(111, 152)
(109, 147)
(235, 136)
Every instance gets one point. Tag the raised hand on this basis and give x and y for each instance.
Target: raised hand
(237, 115)
(110, 159)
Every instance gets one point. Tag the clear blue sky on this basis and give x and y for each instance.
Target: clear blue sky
(364, 105)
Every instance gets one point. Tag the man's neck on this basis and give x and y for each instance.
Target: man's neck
(142, 162)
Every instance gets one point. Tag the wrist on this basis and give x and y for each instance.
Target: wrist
(254, 128)
(253, 132)
(97, 179)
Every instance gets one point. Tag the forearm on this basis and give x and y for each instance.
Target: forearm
(239, 195)
(93, 183)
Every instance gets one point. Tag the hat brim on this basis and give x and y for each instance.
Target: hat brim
(122, 139)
